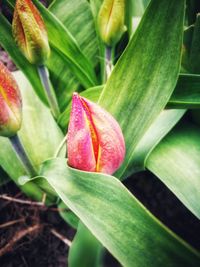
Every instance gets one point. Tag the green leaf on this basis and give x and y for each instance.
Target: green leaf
(68, 216)
(75, 15)
(64, 76)
(7, 42)
(187, 41)
(95, 7)
(62, 41)
(117, 219)
(39, 134)
(194, 59)
(85, 250)
(186, 93)
(160, 127)
(176, 162)
(138, 8)
(146, 74)
(72, 13)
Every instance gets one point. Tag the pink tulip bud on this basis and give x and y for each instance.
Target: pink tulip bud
(30, 33)
(95, 141)
(10, 104)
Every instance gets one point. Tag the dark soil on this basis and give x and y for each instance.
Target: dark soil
(40, 248)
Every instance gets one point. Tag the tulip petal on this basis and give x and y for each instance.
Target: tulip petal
(19, 32)
(95, 141)
(79, 142)
(10, 103)
(110, 137)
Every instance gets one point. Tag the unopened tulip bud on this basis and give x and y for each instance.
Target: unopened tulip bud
(10, 104)
(95, 141)
(111, 21)
(30, 33)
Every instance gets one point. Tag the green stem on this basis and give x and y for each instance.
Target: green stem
(44, 77)
(108, 62)
(60, 147)
(21, 153)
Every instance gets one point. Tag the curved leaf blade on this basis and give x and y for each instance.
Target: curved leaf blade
(39, 134)
(159, 128)
(186, 93)
(117, 219)
(62, 40)
(176, 162)
(85, 250)
(75, 15)
(146, 74)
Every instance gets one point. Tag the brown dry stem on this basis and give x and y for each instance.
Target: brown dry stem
(61, 237)
(18, 236)
(7, 224)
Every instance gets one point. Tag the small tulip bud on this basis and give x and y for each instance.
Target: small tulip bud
(111, 21)
(10, 104)
(30, 33)
(95, 141)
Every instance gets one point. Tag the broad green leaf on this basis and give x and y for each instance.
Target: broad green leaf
(186, 93)
(129, 16)
(75, 15)
(117, 219)
(159, 128)
(145, 3)
(95, 7)
(146, 74)
(64, 75)
(39, 134)
(86, 38)
(85, 250)
(176, 162)
(193, 57)
(62, 40)
(138, 7)
(68, 216)
(7, 42)
(187, 41)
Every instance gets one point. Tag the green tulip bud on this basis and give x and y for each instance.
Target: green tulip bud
(111, 21)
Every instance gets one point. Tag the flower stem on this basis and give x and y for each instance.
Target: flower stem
(60, 147)
(21, 153)
(44, 77)
(108, 60)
